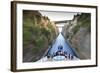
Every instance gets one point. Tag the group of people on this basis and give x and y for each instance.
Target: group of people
(60, 52)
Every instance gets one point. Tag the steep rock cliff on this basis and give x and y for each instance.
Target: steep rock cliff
(78, 33)
(38, 35)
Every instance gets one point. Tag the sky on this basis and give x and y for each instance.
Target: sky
(58, 16)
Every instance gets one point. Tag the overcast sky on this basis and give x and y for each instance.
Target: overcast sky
(58, 16)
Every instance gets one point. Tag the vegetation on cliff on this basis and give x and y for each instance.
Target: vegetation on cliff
(78, 33)
(38, 34)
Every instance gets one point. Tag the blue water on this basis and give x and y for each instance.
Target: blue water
(60, 40)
